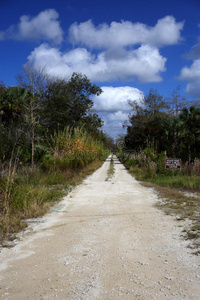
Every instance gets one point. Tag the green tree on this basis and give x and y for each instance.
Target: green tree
(191, 131)
(92, 123)
(147, 123)
(70, 102)
(154, 103)
(12, 104)
(12, 121)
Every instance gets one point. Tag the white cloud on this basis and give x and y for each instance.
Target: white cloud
(195, 51)
(60, 64)
(166, 32)
(192, 76)
(45, 26)
(112, 106)
(114, 128)
(118, 116)
(114, 99)
(131, 50)
(144, 63)
(49, 58)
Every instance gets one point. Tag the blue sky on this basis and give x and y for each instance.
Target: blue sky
(125, 47)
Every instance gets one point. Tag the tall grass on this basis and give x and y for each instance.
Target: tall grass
(149, 166)
(75, 150)
(29, 192)
(28, 198)
(179, 181)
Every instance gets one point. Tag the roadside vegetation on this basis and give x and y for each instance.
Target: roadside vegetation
(50, 140)
(111, 169)
(30, 193)
(159, 129)
(179, 194)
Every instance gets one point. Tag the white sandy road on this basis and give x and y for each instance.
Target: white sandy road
(105, 240)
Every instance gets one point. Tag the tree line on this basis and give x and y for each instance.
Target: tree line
(164, 125)
(32, 111)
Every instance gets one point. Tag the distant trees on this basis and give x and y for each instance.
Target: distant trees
(162, 125)
(38, 107)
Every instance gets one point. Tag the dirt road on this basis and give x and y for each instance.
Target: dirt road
(105, 240)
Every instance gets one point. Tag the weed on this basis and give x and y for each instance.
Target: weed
(111, 169)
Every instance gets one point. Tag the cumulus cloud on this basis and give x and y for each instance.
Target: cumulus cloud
(114, 99)
(114, 128)
(63, 64)
(119, 51)
(112, 106)
(118, 116)
(144, 63)
(125, 33)
(44, 26)
(192, 76)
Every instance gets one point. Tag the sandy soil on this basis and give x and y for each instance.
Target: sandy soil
(105, 240)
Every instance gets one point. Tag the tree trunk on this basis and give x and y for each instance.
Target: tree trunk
(32, 135)
(32, 145)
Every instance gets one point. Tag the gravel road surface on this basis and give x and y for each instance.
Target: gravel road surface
(105, 240)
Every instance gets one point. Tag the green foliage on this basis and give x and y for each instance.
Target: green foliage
(154, 126)
(70, 103)
(72, 150)
(51, 125)
(148, 166)
(32, 113)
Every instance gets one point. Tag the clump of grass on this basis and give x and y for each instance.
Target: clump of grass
(111, 169)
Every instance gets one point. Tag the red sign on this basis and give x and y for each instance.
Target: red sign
(173, 163)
